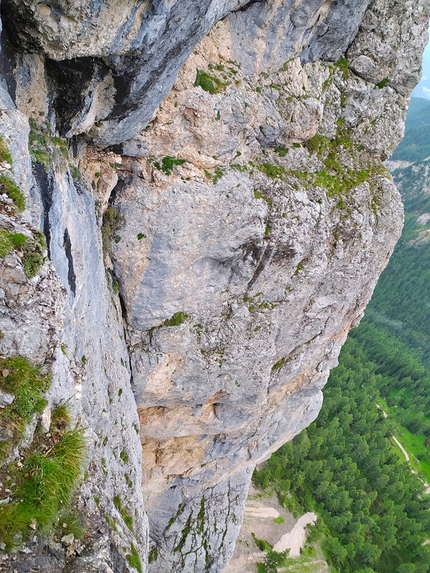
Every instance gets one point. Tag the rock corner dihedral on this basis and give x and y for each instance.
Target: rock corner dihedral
(209, 179)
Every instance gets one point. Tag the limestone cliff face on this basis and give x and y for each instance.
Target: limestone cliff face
(215, 228)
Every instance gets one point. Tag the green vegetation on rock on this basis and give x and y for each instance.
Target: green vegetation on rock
(45, 148)
(342, 65)
(209, 83)
(177, 319)
(112, 222)
(10, 241)
(127, 518)
(133, 559)
(33, 255)
(5, 154)
(8, 186)
(43, 480)
(272, 171)
(28, 385)
(167, 164)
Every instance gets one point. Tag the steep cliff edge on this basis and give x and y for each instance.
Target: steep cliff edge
(209, 180)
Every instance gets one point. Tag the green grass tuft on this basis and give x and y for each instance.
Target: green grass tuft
(70, 523)
(208, 83)
(272, 171)
(382, 83)
(112, 222)
(43, 486)
(8, 186)
(281, 151)
(133, 559)
(6, 243)
(34, 257)
(167, 164)
(5, 154)
(127, 518)
(342, 65)
(25, 382)
(153, 555)
(177, 319)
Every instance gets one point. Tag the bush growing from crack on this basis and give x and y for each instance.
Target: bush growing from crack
(112, 221)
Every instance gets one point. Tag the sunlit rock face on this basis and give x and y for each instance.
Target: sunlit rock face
(216, 228)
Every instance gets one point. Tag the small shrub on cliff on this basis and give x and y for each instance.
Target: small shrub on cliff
(208, 83)
(34, 256)
(318, 144)
(112, 222)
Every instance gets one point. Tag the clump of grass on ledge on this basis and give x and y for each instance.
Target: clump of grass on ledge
(5, 154)
(33, 256)
(28, 385)
(8, 186)
(44, 482)
(10, 241)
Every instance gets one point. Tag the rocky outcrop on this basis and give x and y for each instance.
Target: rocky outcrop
(217, 215)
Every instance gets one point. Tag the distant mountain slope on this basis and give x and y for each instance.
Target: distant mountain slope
(423, 88)
(416, 143)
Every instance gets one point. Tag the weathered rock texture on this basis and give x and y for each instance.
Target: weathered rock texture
(245, 216)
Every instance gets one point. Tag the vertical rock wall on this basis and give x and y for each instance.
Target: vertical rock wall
(204, 272)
